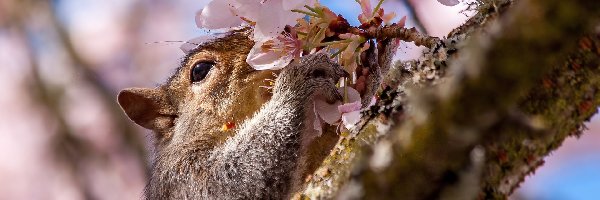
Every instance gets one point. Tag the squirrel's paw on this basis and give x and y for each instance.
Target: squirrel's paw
(375, 64)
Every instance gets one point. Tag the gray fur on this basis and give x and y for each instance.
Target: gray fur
(259, 161)
(378, 60)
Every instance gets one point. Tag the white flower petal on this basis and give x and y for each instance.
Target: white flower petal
(328, 112)
(331, 113)
(350, 119)
(269, 60)
(296, 4)
(365, 6)
(272, 20)
(249, 9)
(267, 29)
(248, 1)
(218, 14)
(349, 107)
(449, 2)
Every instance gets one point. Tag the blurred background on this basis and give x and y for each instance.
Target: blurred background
(62, 63)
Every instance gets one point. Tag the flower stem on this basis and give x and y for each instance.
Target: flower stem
(320, 32)
(377, 7)
(301, 33)
(338, 52)
(345, 91)
(306, 13)
(334, 42)
(313, 10)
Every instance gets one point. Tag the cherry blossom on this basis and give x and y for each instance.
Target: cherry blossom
(282, 34)
(351, 111)
(275, 53)
(351, 50)
(449, 2)
(268, 17)
(350, 114)
(219, 14)
(347, 113)
(319, 26)
(274, 16)
(272, 50)
(370, 15)
(367, 11)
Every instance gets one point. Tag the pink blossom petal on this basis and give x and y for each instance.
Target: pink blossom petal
(268, 60)
(402, 22)
(296, 4)
(273, 19)
(248, 1)
(331, 113)
(195, 42)
(367, 9)
(274, 53)
(349, 107)
(249, 9)
(328, 112)
(218, 14)
(449, 2)
(350, 119)
(387, 18)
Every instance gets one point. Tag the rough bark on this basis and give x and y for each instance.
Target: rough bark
(520, 79)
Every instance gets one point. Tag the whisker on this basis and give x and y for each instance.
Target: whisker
(166, 41)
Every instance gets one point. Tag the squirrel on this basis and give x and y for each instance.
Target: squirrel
(274, 148)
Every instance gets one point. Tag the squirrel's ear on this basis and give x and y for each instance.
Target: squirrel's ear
(148, 108)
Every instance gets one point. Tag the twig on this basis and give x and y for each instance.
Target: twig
(107, 96)
(396, 31)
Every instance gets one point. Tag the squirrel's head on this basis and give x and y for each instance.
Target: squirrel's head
(213, 87)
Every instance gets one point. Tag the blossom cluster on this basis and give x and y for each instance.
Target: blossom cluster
(285, 30)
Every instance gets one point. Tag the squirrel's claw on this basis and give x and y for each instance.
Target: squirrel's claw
(368, 74)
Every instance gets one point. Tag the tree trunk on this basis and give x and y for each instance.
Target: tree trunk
(478, 112)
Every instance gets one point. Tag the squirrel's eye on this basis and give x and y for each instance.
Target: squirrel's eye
(200, 71)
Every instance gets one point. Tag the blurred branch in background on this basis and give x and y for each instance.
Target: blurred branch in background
(92, 156)
(124, 127)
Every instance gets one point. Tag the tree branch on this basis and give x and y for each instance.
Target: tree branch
(451, 125)
(396, 31)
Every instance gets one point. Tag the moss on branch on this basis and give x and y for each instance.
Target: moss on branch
(553, 110)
